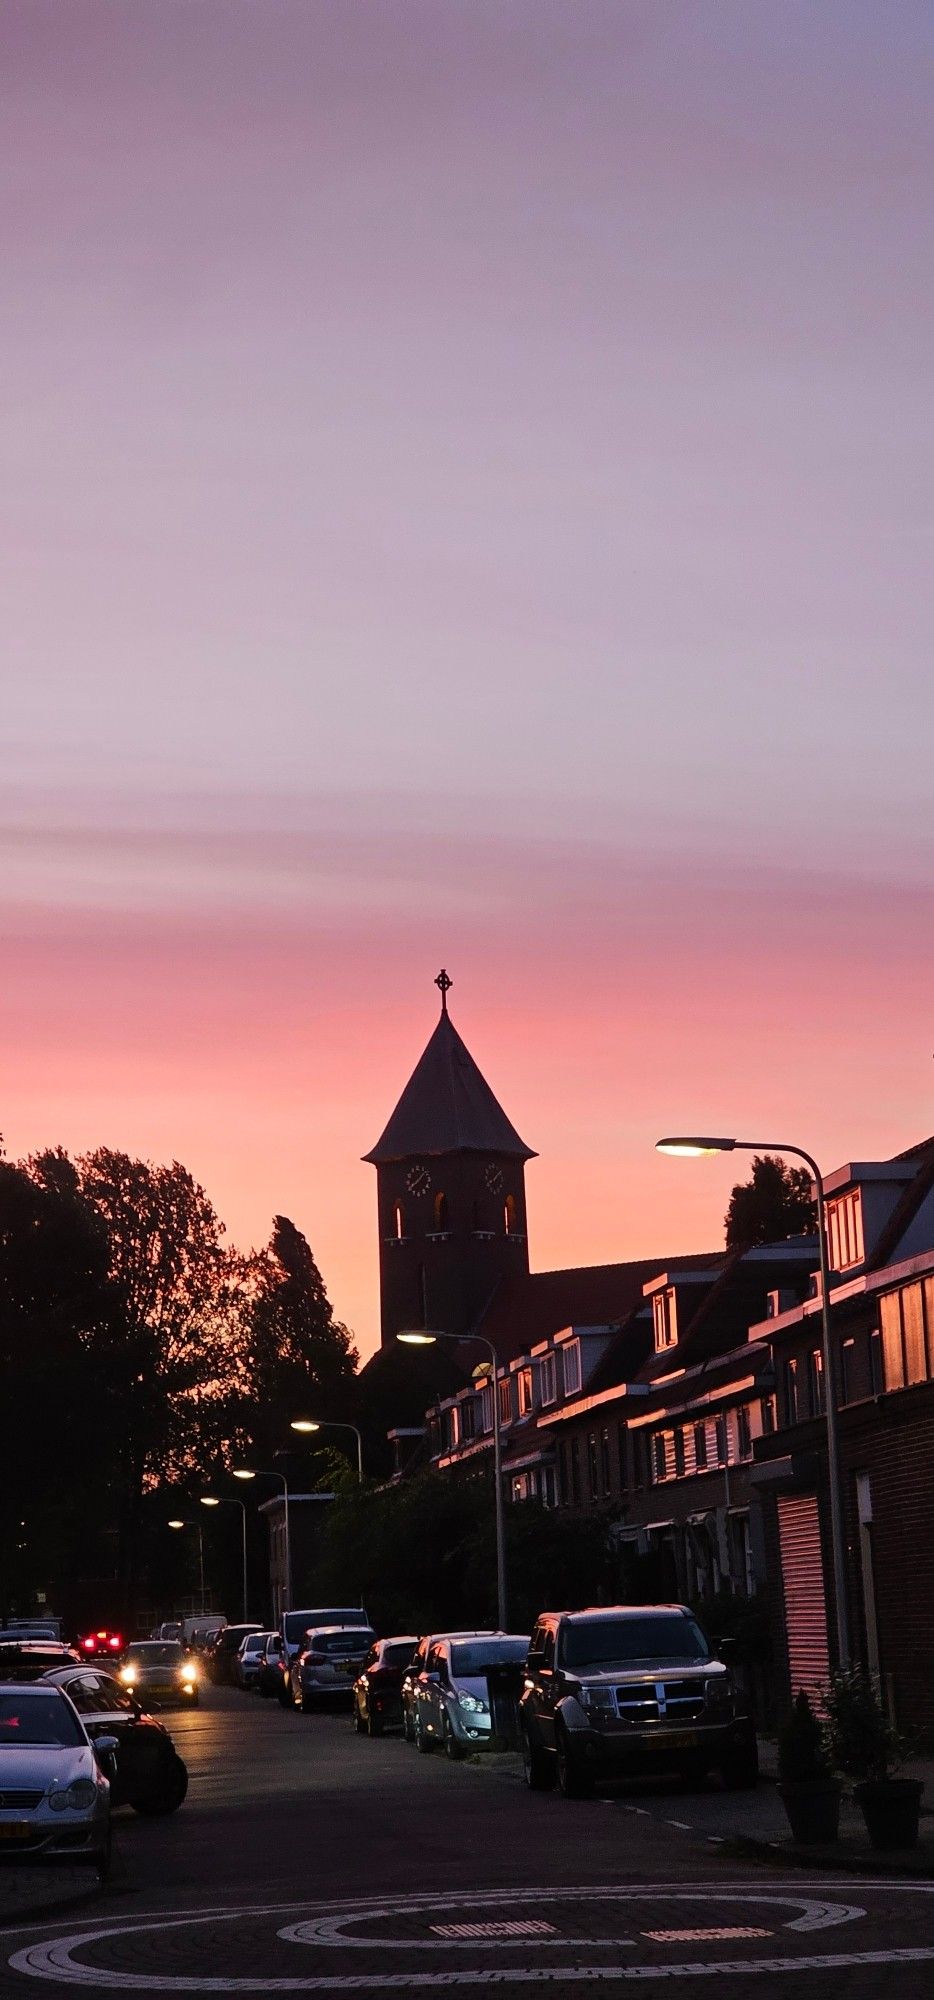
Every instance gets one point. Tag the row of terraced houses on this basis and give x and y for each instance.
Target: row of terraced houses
(683, 1396)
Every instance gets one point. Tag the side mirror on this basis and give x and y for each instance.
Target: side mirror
(105, 1750)
(726, 1650)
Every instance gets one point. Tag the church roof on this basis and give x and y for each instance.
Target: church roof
(447, 1106)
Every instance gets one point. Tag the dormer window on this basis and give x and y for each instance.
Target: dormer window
(549, 1387)
(524, 1391)
(571, 1360)
(845, 1231)
(665, 1319)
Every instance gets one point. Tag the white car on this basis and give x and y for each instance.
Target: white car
(54, 1792)
(454, 1705)
(250, 1659)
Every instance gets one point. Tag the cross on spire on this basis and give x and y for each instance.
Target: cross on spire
(444, 984)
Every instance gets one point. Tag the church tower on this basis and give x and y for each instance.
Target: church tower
(450, 1171)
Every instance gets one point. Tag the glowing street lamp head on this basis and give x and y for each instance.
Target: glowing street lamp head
(176, 1524)
(208, 1500)
(417, 1337)
(694, 1149)
(304, 1424)
(244, 1473)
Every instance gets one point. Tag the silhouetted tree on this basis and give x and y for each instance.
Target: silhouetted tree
(775, 1202)
(299, 1355)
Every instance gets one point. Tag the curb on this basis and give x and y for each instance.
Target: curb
(857, 1861)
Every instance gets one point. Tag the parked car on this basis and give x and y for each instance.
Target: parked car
(377, 1690)
(248, 1657)
(221, 1660)
(148, 1772)
(31, 1628)
(418, 1667)
(106, 1643)
(196, 1630)
(628, 1689)
(294, 1627)
(160, 1670)
(29, 1659)
(329, 1664)
(464, 1683)
(269, 1679)
(55, 1803)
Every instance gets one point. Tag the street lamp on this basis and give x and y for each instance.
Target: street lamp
(420, 1337)
(213, 1500)
(307, 1424)
(262, 1472)
(195, 1524)
(694, 1149)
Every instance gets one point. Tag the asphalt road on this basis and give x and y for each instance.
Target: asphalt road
(309, 1860)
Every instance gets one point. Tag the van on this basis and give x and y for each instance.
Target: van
(292, 1628)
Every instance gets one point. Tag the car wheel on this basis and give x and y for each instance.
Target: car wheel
(306, 1702)
(422, 1740)
(540, 1771)
(452, 1749)
(574, 1779)
(408, 1728)
(284, 1693)
(740, 1770)
(358, 1722)
(694, 1770)
(374, 1725)
(158, 1804)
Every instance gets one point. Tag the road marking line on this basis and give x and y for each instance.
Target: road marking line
(720, 1934)
(512, 1930)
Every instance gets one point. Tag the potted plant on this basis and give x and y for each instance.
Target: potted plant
(865, 1747)
(807, 1787)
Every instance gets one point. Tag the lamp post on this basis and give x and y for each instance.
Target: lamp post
(263, 1472)
(420, 1337)
(197, 1525)
(214, 1500)
(693, 1149)
(307, 1424)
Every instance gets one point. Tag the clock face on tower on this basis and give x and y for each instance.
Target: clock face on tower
(418, 1180)
(494, 1179)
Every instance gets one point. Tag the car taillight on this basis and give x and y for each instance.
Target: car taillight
(316, 1659)
(88, 1645)
(115, 1643)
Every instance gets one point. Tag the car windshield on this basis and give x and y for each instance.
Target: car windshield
(166, 1653)
(398, 1656)
(482, 1654)
(37, 1718)
(340, 1643)
(625, 1642)
(254, 1644)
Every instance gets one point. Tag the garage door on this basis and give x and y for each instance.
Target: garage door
(805, 1601)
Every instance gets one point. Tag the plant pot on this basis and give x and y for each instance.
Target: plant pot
(891, 1808)
(813, 1808)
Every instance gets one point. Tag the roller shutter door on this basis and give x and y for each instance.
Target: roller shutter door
(805, 1602)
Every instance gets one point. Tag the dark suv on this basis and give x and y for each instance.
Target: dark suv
(630, 1690)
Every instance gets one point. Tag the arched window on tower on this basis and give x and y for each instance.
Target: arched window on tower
(509, 1214)
(441, 1213)
(398, 1222)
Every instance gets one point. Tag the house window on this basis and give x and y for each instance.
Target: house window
(916, 1363)
(845, 1229)
(571, 1363)
(469, 1418)
(524, 1390)
(790, 1386)
(575, 1472)
(700, 1447)
(659, 1457)
(547, 1380)
(815, 1382)
(743, 1431)
(592, 1466)
(398, 1222)
(876, 1370)
(548, 1486)
(486, 1407)
(767, 1415)
(505, 1400)
(679, 1454)
(452, 1429)
(665, 1319)
(605, 1459)
(722, 1435)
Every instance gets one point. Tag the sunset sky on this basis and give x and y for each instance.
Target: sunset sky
(466, 499)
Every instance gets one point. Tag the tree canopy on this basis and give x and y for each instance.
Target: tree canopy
(774, 1203)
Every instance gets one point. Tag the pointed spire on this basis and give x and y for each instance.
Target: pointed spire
(447, 1105)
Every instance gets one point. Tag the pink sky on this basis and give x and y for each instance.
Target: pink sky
(466, 499)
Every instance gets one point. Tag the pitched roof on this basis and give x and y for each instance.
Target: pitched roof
(529, 1307)
(906, 1208)
(447, 1106)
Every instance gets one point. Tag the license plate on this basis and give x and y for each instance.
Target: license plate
(16, 1829)
(688, 1737)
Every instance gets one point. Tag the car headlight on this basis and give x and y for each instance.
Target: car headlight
(77, 1797)
(598, 1700)
(472, 1704)
(719, 1691)
(189, 1676)
(128, 1676)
